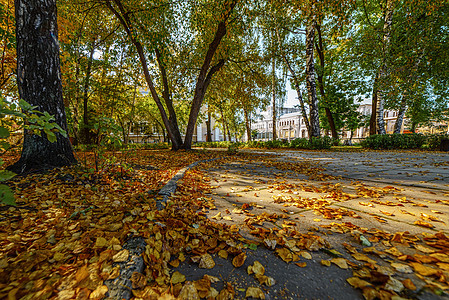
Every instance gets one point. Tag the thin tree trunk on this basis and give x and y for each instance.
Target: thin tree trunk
(247, 124)
(208, 127)
(311, 85)
(320, 50)
(401, 114)
(373, 119)
(85, 132)
(123, 15)
(273, 97)
(168, 100)
(383, 68)
(39, 83)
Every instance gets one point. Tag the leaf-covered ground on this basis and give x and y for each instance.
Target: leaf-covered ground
(65, 238)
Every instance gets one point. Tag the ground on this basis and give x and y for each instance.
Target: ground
(259, 224)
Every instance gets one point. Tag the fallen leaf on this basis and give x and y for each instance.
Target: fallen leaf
(121, 256)
(409, 284)
(340, 262)
(357, 282)
(254, 292)
(257, 268)
(189, 291)
(402, 268)
(206, 261)
(239, 260)
(177, 277)
(285, 254)
(423, 224)
(326, 263)
(424, 270)
(301, 264)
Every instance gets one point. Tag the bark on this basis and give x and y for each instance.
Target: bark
(373, 119)
(296, 83)
(401, 114)
(85, 132)
(311, 85)
(273, 98)
(123, 15)
(247, 124)
(320, 50)
(383, 68)
(39, 83)
(208, 128)
(168, 100)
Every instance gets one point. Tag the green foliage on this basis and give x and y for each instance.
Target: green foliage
(323, 142)
(223, 144)
(433, 141)
(18, 117)
(394, 141)
(300, 143)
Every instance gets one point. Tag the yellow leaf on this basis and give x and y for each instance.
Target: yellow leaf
(357, 282)
(301, 264)
(424, 270)
(101, 242)
(423, 224)
(223, 254)
(177, 278)
(206, 261)
(121, 256)
(326, 263)
(99, 292)
(189, 291)
(340, 262)
(285, 254)
(256, 268)
(239, 260)
(409, 284)
(305, 254)
(254, 292)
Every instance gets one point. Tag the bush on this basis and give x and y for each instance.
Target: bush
(222, 144)
(433, 141)
(394, 141)
(322, 142)
(301, 143)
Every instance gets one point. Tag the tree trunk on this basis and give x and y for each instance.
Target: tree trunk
(273, 97)
(39, 83)
(311, 85)
(86, 136)
(383, 68)
(330, 118)
(168, 101)
(373, 119)
(208, 128)
(207, 72)
(124, 17)
(401, 114)
(247, 124)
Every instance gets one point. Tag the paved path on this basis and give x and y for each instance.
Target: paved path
(376, 192)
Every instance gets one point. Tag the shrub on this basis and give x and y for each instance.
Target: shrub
(433, 141)
(300, 143)
(321, 142)
(394, 141)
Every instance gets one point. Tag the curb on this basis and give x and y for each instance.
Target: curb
(170, 187)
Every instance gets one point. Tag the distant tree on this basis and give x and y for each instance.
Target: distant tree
(39, 83)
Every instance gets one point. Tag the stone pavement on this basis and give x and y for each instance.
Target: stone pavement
(366, 192)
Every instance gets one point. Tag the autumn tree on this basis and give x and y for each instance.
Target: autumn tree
(39, 83)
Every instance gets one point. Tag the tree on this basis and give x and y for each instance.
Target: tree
(39, 83)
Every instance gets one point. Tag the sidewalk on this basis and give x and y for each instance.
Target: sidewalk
(357, 215)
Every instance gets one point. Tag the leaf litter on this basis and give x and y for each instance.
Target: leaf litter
(66, 234)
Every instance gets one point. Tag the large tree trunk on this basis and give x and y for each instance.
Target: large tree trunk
(388, 18)
(39, 83)
(320, 50)
(311, 85)
(207, 72)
